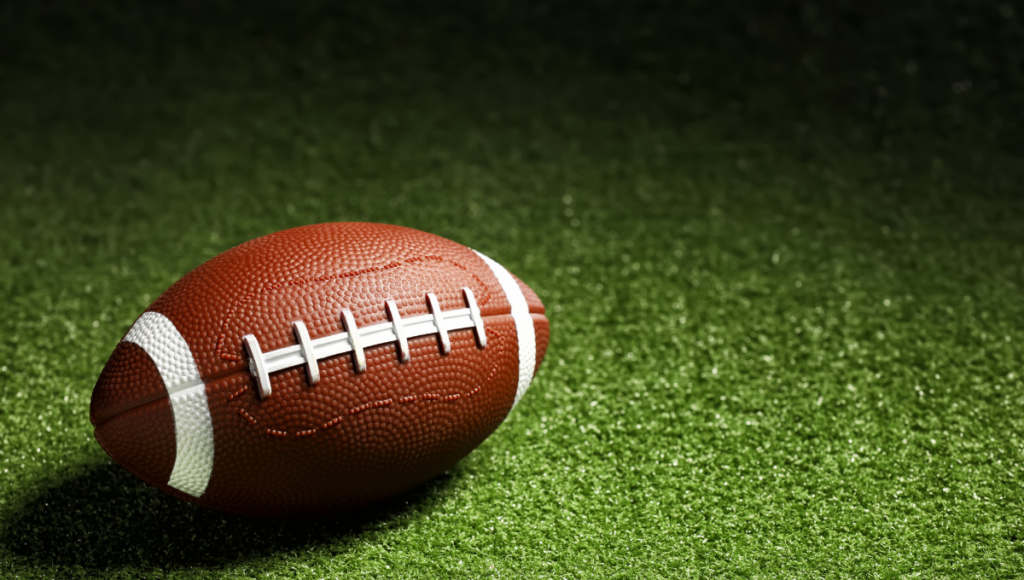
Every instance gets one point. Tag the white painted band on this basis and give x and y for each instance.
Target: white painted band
(524, 326)
(193, 427)
(193, 431)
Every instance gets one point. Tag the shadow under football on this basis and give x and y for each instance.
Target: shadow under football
(108, 518)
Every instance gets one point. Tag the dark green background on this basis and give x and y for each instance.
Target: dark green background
(780, 244)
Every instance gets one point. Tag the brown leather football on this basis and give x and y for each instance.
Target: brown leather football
(319, 369)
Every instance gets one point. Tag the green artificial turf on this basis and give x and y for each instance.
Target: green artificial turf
(786, 310)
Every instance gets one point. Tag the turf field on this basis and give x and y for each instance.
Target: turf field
(781, 254)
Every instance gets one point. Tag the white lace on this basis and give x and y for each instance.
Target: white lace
(398, 330)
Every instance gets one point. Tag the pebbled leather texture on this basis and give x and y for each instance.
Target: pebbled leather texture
(142, 440)
(130, 379)
(351, 439)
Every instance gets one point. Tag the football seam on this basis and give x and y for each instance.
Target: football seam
(212, 379)
(222, 336)
(357, 409)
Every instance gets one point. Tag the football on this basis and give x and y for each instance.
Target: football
(319, 369)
